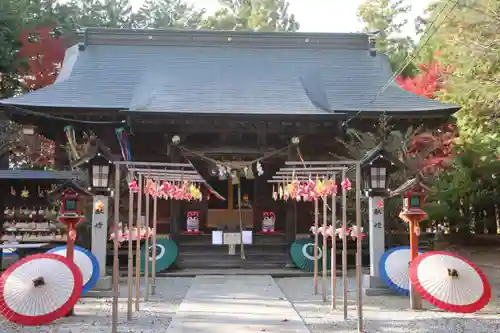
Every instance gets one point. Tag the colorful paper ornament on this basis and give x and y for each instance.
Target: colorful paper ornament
(25, 193)
(346, 184)
(133, 187)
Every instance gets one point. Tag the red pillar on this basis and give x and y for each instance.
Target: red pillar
(415, 298)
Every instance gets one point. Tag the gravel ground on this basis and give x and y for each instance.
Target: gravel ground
(388, 313)
(94, 315)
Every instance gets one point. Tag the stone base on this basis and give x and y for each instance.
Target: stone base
(373, 286)
(103, 288)
(104, 283)
(98, 294)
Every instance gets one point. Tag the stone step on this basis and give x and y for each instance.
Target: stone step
(226, 256)
(231, 262)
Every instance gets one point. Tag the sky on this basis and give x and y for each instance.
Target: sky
(323, 15)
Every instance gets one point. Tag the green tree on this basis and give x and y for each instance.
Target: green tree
(166, 14)
(100, 13)
(383, 18)
(467, 194)
(9, 48)
(468, 44)
(257, 15)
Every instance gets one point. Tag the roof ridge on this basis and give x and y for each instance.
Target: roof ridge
(142, 37)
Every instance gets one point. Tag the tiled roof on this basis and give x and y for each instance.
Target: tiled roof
(226, 72)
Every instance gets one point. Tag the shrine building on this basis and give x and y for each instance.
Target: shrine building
(229, 96)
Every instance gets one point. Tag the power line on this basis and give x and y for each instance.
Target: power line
(409, 58)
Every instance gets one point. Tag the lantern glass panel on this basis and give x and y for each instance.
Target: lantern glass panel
(378, 177)
(70, 205)
(100, 176)
(415, 201)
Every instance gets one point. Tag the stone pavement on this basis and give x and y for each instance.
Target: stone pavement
(243, 304)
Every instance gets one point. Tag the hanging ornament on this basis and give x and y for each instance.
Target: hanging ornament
(319, 186)
(280, 192)
(245, 171)
(340, 233)
(260, 170)
(355, 233)
(330, 231)
(40, 192)
(275, 193)
(286, 194)
(25, 193)
(133, 187)
(12, 191)
(222, 171)
(346, 184)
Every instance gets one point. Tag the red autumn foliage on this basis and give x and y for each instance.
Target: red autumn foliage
(435, 148)
(34, 151)
(43, 50)
(427, 83)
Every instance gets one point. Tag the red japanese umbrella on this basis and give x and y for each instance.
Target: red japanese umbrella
(450, 282)
(39, 289)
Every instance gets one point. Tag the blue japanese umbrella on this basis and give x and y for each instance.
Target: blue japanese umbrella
(86, 262)
(394, 269)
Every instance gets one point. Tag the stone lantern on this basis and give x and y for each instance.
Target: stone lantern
(98, 160)
(376, 167)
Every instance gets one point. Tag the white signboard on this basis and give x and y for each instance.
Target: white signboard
(217, 238)
(232, 238)
(247, 236)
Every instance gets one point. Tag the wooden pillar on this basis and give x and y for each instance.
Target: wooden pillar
(290, 209)
(176, 219)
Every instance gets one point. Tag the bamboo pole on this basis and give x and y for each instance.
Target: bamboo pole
(146, 247)
(333, 258)
(325, 250)
(130, 252)
(344, 245)
(153, 245)
(114, 315)
(316, 213)
(242, 247)
(138, 246)
(359, 282)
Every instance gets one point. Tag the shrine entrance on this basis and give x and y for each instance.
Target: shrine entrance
(239, 194)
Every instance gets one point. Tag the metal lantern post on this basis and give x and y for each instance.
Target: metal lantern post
(376, 167)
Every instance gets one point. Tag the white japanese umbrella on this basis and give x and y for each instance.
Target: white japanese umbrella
(450, 282)
(39, 289)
